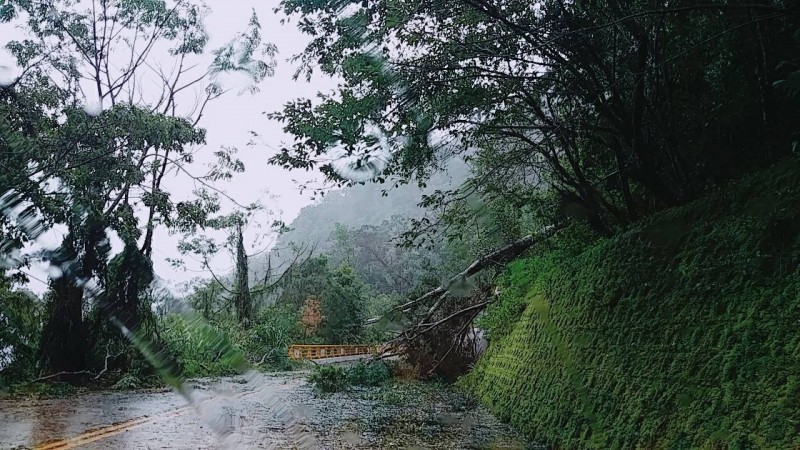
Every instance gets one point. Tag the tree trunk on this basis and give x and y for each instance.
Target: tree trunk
(131, 272)
(243, 300)
(496, 258)
(64, 344)
(624, 186)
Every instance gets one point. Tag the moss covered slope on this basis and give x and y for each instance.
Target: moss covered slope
(681, 333)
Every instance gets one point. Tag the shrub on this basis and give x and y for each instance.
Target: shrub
(334, 378)
(20, 328)
(218, 347)
(127, 382)
(328, 378)
(201, 349)
(368, 374)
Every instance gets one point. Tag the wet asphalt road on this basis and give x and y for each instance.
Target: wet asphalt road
(226, 414)
(265, 411)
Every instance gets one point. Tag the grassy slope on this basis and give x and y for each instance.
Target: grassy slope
(683, 332)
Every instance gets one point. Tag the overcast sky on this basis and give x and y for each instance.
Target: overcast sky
(229, 121)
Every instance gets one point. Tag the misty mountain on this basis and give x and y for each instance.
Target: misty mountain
(351, 207)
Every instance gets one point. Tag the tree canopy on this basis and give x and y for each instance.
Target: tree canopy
(616, 108)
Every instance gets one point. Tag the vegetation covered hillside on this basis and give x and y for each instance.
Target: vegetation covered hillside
(679, 333)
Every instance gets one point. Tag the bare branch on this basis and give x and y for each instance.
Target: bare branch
(60, 374)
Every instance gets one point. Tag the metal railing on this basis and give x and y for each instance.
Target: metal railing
(301, 352)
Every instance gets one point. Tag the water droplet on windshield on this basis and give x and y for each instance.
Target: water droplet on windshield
(9, 70)
(93, 106)
(54, 272)
(367, 162)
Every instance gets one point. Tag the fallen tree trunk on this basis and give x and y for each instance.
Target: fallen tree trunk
(500, 256)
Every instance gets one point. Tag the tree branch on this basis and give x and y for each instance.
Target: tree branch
(501, 256)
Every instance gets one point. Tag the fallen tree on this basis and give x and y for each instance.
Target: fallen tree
(426, 323)
(500, 256)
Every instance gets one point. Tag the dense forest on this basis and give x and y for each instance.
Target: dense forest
(606, 189)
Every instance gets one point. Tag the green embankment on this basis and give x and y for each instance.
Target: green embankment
(683, 332)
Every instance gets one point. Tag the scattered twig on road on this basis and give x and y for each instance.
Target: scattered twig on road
(263, 358)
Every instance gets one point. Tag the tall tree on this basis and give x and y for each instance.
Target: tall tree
(242, 301)
(118, 140)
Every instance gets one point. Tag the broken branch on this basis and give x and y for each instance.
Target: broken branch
(501, 256)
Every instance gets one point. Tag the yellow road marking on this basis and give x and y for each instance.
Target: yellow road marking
(102, 433)
(112, 430)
